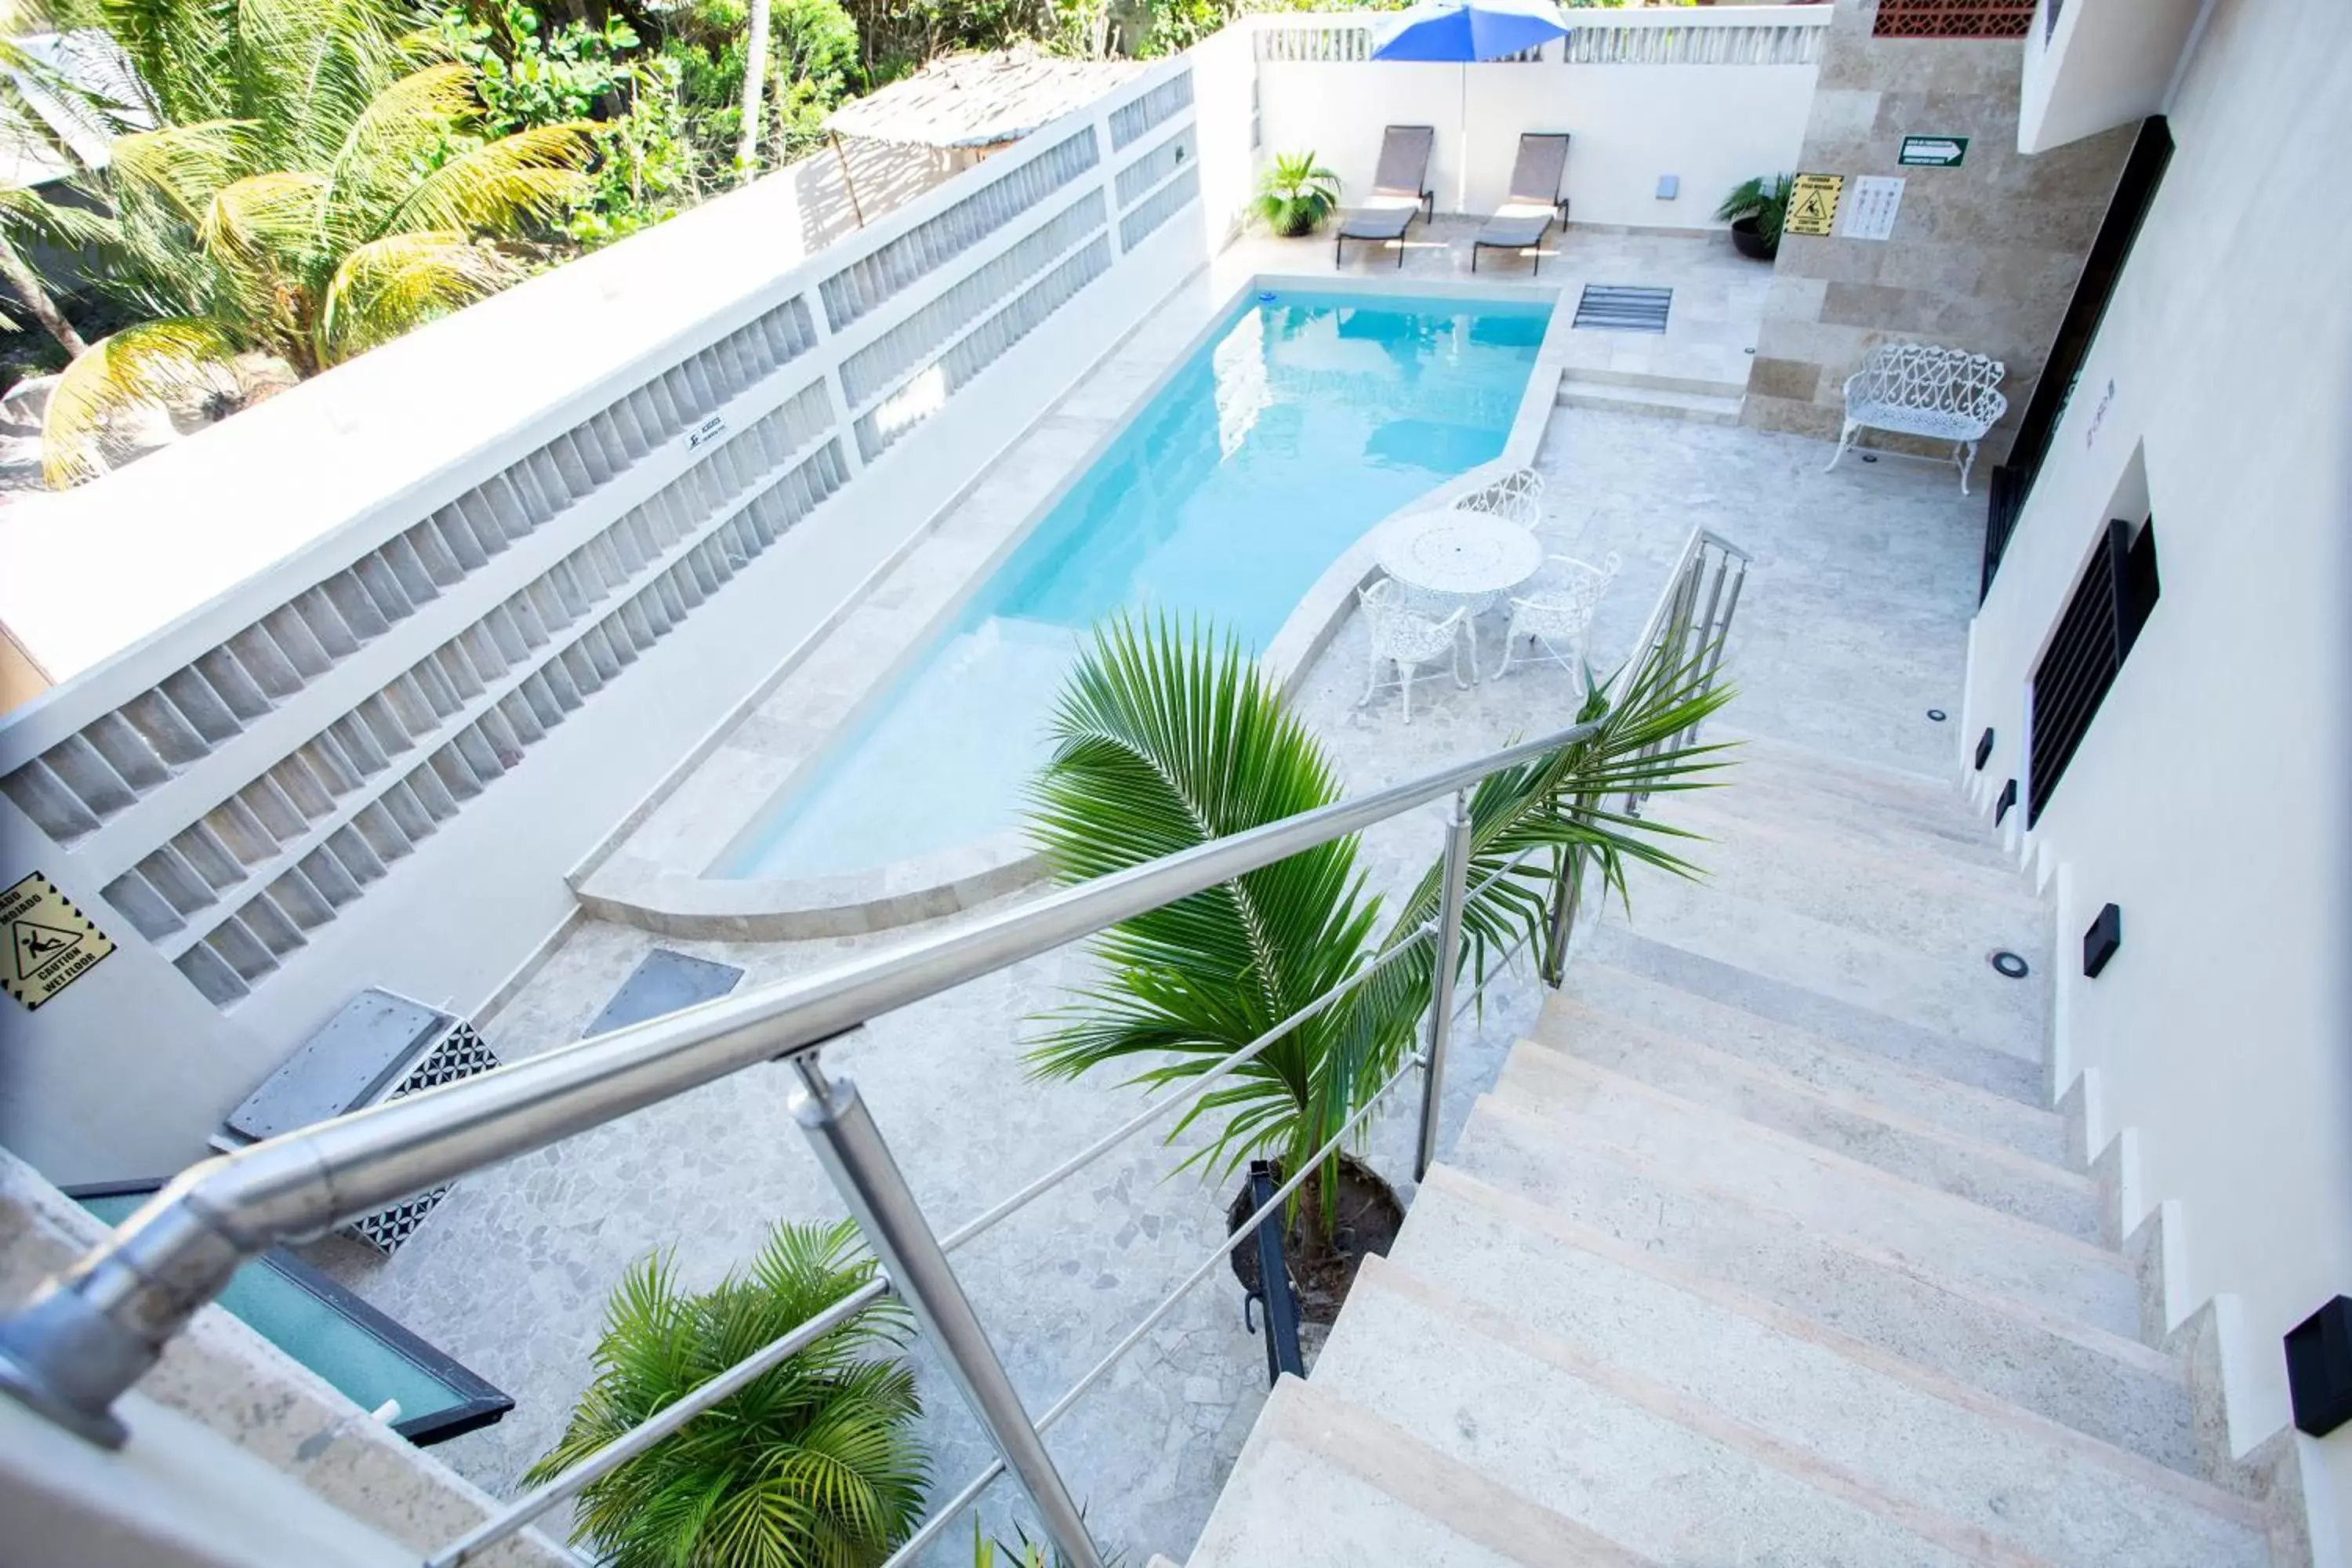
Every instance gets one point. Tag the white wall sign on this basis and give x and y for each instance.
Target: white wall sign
(1870, 203)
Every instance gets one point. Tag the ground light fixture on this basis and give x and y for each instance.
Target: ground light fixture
(2007, 965)
(1935, 715)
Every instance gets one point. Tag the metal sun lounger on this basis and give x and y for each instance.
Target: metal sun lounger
(1535, 203)
(1399, 191)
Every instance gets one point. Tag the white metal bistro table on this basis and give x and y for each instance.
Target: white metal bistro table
(1472, 557)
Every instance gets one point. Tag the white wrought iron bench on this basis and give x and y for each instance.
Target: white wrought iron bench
(1919, 389)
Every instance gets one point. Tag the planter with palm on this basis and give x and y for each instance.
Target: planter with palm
(1756, 209)
(1165, 739)
(815, 1461)
(1295, 194)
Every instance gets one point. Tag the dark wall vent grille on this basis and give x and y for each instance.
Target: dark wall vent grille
(1620, 308)
(1953, 18)
(2095, 635)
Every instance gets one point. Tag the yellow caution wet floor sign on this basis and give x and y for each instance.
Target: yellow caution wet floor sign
(51, 944)
(1813, 204)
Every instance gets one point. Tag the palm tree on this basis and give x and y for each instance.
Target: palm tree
(312, 190)
(813, 1462)
(1164, 740)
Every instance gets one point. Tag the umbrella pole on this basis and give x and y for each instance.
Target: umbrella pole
(1461, 134)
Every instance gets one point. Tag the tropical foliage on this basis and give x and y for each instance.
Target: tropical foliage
(812, 1463)
(1166, 738)
(1295, 193)
(1764, 198)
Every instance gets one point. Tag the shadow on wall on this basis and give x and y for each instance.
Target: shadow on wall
(886, 175)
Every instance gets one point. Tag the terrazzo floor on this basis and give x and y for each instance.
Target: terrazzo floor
(1851, 626)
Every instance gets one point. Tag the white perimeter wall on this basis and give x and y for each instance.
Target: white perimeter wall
(1714, 125)
(2208, 800)
(127, 1072)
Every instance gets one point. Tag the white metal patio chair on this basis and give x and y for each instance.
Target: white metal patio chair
(1556, 613)
(1516, 497)
(1407, 638)
(1919, 389)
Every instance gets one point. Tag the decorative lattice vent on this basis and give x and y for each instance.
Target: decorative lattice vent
(460, 1053)
(1953, 18)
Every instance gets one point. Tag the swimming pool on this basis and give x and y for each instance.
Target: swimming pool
(1304, 419)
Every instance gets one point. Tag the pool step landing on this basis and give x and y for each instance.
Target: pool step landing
(1661, 396)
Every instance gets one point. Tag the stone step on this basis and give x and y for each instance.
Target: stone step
(1916, 1225)
(1988, 1173)
(1807, 876)
(1859, 1028)
(1945, 993)
(1931, 797)
(1819, 1061)
(1778, 847)
(1577, 391)
(2104, 1383)
(1764, 796)
(1629, 1458)
(1904, 1430)
(1323, 1484)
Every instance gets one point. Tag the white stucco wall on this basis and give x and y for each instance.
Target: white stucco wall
(2208, 799)
(1714, 125)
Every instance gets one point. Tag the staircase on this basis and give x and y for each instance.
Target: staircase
(1764, 1249)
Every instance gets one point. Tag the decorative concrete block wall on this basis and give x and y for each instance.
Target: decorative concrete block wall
(1982, 258)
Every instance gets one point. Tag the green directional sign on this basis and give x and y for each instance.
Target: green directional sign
(1934, 151)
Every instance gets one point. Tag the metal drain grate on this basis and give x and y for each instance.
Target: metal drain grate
(1617, 308)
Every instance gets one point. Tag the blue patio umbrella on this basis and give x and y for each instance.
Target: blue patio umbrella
(1462, 31)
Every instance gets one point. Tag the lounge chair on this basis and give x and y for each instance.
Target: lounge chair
(1399, 191)
(1535, 203)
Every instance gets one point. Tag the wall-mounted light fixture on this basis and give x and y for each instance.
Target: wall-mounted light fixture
(2008, 799)
(1669, 186)
(1984, 748)
(2319, 1368)
(2099, 942)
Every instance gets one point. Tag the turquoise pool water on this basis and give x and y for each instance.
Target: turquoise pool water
(1306, 420)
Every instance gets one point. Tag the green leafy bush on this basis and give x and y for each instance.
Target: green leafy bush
(1764, 198)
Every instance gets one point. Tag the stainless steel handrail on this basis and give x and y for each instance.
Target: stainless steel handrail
(87, 1336)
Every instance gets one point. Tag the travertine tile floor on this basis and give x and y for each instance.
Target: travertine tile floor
(1853, 624)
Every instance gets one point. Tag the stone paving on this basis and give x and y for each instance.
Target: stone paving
(1853, 624)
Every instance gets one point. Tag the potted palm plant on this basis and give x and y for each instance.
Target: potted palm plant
(1295, 193)
(814, 1460)
(1756, 209)
(1165, 739)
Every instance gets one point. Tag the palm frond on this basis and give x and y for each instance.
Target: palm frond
(1161, 742)
(179, 168)
(137, 368)
(25, 212)
(503, 187)
(399, 283)
(395, 135)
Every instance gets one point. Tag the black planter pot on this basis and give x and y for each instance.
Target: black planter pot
(1748, 240)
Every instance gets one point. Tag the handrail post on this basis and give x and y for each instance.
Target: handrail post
(850, 1148)
(1449, 958)
(1566, 903)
